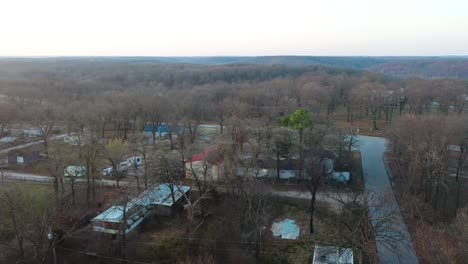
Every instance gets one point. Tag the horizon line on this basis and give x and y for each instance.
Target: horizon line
(218, 56)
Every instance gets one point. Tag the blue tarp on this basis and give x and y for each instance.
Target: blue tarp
(287, 229)
(290, 229)
(156, 128)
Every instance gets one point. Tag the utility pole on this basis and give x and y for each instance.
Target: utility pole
(51, 237)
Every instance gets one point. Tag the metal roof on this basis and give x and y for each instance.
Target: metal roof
(156, 195)
(113, 214)
(161, 194)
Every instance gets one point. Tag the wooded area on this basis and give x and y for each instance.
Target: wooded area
(242, 116)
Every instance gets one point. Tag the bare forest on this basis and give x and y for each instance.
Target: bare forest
(238, 148)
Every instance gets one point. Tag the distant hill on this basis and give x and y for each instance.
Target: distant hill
(344, 62)
(427, 67)
(401, 67)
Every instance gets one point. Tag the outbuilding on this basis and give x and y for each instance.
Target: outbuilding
(19, 156)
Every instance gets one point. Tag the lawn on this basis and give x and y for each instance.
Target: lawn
(39, 194)
(277, 250)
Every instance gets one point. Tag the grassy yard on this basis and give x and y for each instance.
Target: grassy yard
(39, 194)
(357, 180)
(277, 250)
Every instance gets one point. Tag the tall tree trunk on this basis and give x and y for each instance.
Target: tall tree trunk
(146, 173)
(278, 165)
(312, 210)
(88, 187)
(56, 192)
(72, 182)
(93, 180)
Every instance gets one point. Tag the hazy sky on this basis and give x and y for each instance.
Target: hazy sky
(235, 27)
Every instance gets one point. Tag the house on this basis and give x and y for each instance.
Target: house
(111, 220)
(207, 165)
(332, 255)
(19, 156)
(162, 200)
(74, 171)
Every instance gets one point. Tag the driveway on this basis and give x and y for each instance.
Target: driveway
(383, 205)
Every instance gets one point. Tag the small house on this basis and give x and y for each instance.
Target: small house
(207, 165)
(332, 254)
(19, 156)
(111, 220)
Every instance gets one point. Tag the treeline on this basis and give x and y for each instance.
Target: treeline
(123, 91)
(425, 67)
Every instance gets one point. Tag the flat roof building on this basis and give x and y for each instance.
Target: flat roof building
(162, 199)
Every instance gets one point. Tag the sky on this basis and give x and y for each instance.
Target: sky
(233, 28)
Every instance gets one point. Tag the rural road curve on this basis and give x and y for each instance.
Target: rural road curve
(31, 144)
(383, 205)
(327, 197)
(27, 177)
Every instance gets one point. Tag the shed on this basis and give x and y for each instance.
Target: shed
(18, 156)
(332, 255)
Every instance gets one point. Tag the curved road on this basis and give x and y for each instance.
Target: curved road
(31, 143)
(384, 210)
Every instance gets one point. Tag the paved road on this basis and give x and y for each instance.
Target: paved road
(382, 204)
(31, 144)
(327, 197)
(27, 177)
